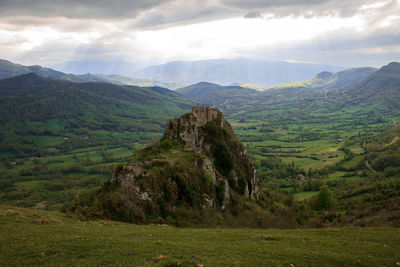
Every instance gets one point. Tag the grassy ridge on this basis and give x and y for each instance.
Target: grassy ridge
(46, 238)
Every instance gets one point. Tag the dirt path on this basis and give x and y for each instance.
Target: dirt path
(371, 169)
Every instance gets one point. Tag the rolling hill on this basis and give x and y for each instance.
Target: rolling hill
(216, 95)
(9, 69)
(125, 80)
(382, 86)
(329, 81)
(32, 105)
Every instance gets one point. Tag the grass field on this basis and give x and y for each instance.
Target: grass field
(32, 185)
(305, 195)
(31, 237)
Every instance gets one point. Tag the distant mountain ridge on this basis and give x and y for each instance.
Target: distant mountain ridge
(228, 71)
(382, 86)
(359, 84)
(203, 92)
(355, 85)
(124, 80)
(219, 96)
(9, 69)
(328, 81)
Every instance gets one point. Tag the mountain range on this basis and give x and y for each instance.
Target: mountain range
(9, 69)
(177, 74)
(229, 71)
(360, 84)
(213, 94)
(350, 86)
(328, 80)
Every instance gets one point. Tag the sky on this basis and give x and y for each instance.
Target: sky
(347, 33)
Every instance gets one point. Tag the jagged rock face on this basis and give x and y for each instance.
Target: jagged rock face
(196, 131)
(187, 126)
(199, 163)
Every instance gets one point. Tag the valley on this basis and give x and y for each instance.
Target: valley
(61, 141)
(319, 134)
(200, 133)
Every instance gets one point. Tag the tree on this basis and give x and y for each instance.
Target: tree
(325, 199)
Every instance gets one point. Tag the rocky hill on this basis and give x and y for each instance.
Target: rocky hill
(197, 171)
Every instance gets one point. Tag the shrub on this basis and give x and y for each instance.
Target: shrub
(220, 192)
(185, 191)
(118, 169)
(325, 199)
(391, 171)
(223, 159)
(208, 178)
(242, 185)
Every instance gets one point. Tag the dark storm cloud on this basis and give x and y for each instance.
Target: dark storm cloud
(108, 9)
(159, 12)
(142, 14)
(60, 23)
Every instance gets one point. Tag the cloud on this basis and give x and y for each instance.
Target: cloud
(20, 23)
(306, 8)
(139, 14)
(105, 9)
(155, 14)
(347, 32)
(253, 15)
(346, 48)
(183, 12)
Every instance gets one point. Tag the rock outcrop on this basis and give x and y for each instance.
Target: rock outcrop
(199, 130)
(199, 164)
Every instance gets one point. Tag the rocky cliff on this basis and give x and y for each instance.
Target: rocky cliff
(205, 131)
(198, 166)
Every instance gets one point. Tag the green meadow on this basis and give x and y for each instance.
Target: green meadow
(30, 237)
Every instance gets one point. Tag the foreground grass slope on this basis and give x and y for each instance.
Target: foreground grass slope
(32, 237)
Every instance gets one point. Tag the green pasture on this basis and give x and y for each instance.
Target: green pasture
(32, 185)
(305, 195)
(30, 237)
